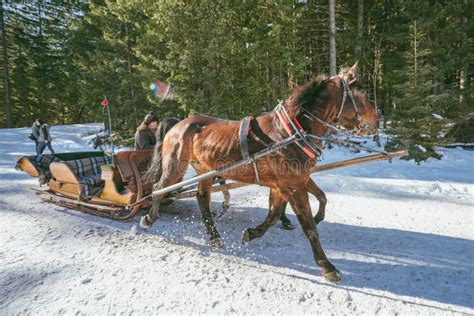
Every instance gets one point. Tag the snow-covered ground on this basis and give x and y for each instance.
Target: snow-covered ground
(401, 234)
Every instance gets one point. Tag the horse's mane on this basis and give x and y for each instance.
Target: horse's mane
(308, 96)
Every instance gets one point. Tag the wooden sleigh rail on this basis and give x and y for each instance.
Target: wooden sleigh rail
(325, 167)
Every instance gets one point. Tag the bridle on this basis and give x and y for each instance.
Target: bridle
(305, 140)
(347, 91)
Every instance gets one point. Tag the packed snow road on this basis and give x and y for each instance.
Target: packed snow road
(401, 234)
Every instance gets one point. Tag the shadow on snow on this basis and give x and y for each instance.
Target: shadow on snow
(420, 265)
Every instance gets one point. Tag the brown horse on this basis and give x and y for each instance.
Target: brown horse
(209, 143)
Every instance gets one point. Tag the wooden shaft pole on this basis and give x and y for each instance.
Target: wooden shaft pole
(325, 167)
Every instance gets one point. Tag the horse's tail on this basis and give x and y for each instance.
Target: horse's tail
(155, 168)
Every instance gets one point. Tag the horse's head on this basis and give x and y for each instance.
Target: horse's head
(354, 112)
(338, 100)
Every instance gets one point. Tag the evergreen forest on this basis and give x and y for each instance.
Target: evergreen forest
(237, 58)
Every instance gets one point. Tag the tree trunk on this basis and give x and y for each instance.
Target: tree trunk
(415, 53)
(79, 114)
(377, 71)
(464, 83)
(6, 76)
(130, 71)
(332, 37)
(360, 26)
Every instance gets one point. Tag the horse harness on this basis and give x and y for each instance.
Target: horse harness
(250, 125)
(296, 135)
(294, 128)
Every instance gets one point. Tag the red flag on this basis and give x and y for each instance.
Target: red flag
(105, 102)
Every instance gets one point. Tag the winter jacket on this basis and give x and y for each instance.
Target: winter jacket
(144, 137)
(41, 132)
(35, 131)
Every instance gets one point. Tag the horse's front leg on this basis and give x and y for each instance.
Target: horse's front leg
(204, 199)
(274, 211)
(312, 188)
(299, 200)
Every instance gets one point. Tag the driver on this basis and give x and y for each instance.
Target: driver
(145, 135)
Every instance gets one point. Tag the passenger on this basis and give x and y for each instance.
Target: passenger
(145, 135)
(42, 137)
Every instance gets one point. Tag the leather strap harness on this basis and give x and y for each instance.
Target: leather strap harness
(245, 129)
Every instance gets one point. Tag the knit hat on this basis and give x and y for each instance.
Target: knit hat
(151, 117)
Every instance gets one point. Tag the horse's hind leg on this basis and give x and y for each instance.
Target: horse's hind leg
(285, 221)
(319, 194)
(277, 204)
(226, 203)
(174, 167)
(312, 188)
(226, 195)
(204, 198)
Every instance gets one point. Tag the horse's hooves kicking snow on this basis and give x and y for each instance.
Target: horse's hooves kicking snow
(246, 236)
(216, 243)
(287, 225)
(145, 223)
(333, 276)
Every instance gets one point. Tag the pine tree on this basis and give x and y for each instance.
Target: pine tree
(5, 72)
(414, 122)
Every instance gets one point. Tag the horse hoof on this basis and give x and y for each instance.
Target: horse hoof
(318, 220)
(287, 225)
(225, 206)
(144, 223)
(333, 276)
(245, 237)
(216, 243)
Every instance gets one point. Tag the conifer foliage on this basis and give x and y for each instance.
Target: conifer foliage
(236, 58)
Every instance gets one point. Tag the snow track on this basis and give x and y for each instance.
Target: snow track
(401, 234)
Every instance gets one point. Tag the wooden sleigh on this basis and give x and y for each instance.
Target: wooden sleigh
(89, 182)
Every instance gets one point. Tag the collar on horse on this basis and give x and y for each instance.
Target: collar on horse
(293, 127)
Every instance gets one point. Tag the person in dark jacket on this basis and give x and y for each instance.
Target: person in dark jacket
(145, 135)
(40, 131)
(35, 131)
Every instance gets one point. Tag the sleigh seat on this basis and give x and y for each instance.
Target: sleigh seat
(37, 166)
(90, 178)
(80, 177)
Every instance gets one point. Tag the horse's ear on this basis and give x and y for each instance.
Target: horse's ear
(355, 70)
(349, 74)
